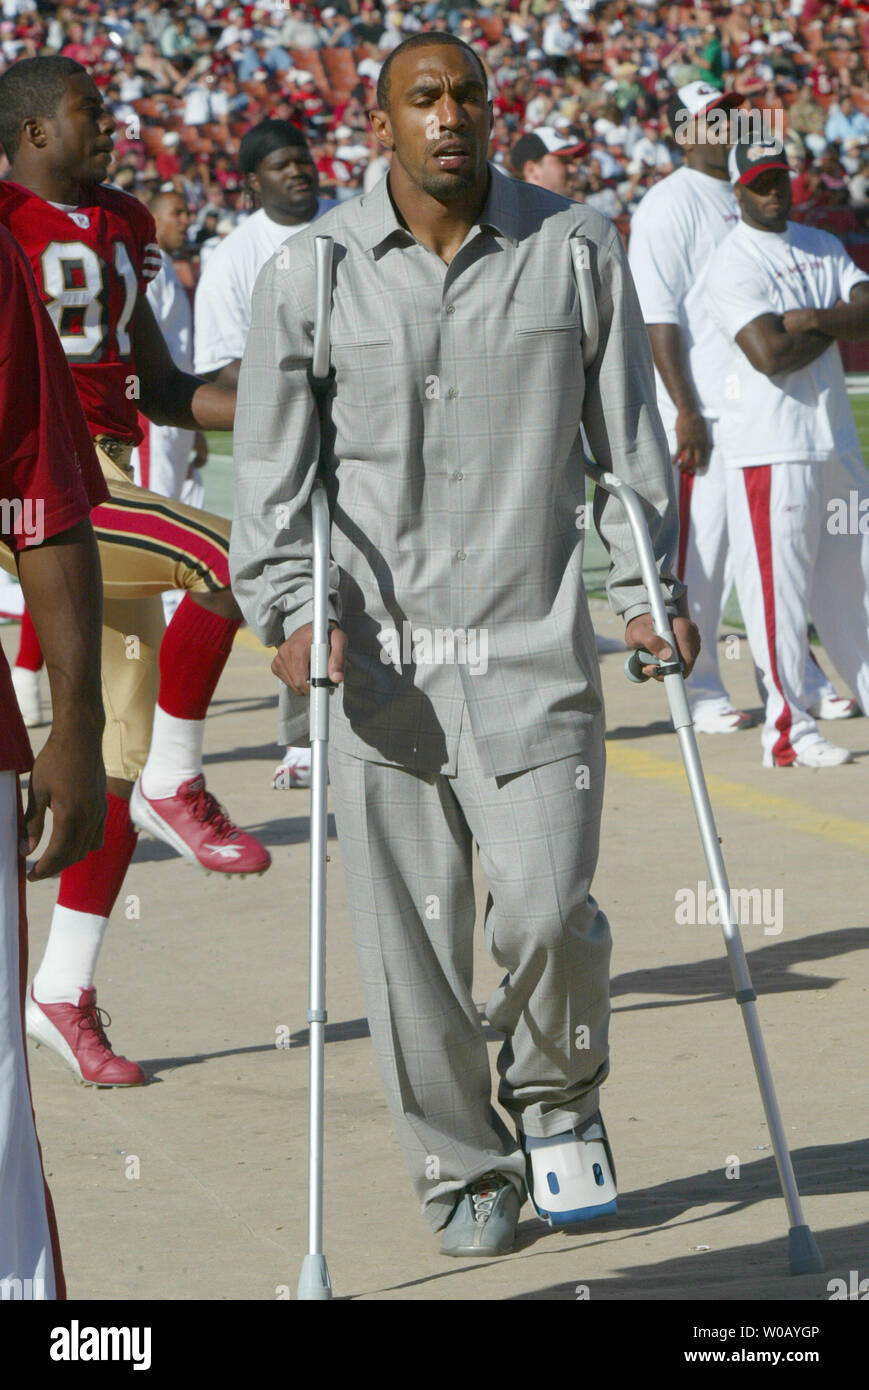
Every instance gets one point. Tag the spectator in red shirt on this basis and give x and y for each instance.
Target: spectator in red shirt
(509, 102)
(804, 188)
(77, 49)
(333, 172)
(167, 161)
(822, 78)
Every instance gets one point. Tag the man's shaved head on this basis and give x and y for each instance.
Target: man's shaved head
(420, 41)
(159, 201)
(171, 217)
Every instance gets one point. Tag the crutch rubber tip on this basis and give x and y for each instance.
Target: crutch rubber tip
(804, 1256)
(314, 1282)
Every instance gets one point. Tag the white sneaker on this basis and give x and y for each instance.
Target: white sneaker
(727, 721)
(294, 770)
(26, 686)
(822, 754)
(834, 707)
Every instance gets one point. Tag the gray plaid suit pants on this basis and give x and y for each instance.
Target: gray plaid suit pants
(406, 841)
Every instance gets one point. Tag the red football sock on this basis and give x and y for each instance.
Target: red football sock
(94, 883)
(29, 650)
(193, 654)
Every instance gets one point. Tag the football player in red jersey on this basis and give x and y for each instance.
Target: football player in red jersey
(93, 249)
(48, 471)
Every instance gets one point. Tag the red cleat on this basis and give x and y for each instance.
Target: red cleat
(76, 1032)
(196, 825)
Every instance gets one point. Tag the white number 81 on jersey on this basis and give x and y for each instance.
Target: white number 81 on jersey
(76, 280)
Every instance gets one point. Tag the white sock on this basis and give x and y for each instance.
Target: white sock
(70, 956)
(26, 680)
(175, 756)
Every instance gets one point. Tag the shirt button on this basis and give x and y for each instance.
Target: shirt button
(460, 555)
(458, 477)
(452, 393)
(451, 308)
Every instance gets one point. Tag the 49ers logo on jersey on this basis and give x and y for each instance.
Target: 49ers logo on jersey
(76, 280)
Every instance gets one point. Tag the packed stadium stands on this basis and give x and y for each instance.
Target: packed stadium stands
(185, 81)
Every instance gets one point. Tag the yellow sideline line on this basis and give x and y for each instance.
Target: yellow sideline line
(740, 797)
(245, 638)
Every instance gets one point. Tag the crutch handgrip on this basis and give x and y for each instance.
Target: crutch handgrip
(638, 658)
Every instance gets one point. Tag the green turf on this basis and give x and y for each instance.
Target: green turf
(218, 498)
(217, 474)
(860, 406)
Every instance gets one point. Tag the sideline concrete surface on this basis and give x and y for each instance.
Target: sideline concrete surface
(194, 1186)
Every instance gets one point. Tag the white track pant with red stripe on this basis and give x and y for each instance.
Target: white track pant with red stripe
(29, 1253)
(791, 563)
(703, 566)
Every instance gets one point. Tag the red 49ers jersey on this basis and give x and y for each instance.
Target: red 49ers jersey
(91, 263)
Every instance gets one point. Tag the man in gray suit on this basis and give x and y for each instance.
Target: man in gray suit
(470, 705)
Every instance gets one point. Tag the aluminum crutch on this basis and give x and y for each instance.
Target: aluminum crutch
(314, 1282)
(803, 1253)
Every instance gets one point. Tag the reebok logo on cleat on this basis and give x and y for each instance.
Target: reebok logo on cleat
(228, 851)
(183, 821)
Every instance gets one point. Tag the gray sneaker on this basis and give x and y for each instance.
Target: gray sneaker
(485, 1218)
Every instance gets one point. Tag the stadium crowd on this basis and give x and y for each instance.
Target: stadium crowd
(185, 81)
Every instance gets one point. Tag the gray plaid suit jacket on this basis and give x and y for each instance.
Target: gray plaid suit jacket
(454, 467)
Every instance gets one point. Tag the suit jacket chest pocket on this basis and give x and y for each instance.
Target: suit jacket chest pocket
(363, 407)
(549, 352)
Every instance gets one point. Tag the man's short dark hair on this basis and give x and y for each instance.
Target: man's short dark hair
(31, 88)
(528, 148)
(430, 38)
